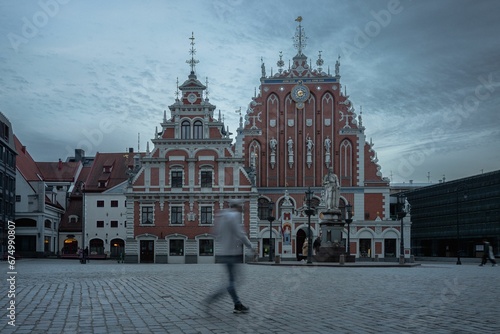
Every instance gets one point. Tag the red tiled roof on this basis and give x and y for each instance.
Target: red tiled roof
(59, 171)
(120, 163)
(25, 163)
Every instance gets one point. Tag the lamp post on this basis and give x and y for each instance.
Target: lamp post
(401, 215)
(309, 212)
(270, 218)
(348, 220)
(460, 187)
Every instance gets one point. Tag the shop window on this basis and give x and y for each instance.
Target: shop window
(206, 247)
(176, 247)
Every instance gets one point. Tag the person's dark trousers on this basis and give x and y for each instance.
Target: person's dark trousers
(231, 263)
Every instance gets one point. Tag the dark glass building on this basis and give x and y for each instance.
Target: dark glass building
(456, 216)
(7, 180)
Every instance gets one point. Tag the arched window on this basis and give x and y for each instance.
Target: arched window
(198, 130)
(263, 208)
(346, 163)
(185, 130)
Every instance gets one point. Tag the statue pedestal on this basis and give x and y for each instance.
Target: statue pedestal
(332, 245)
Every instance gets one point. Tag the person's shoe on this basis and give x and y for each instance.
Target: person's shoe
(494, 265)
(240, 308)
(481, 265)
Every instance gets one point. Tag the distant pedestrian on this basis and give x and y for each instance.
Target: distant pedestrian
(80, 254)
(86, 255)
(488, 254)
(317, 245)
(305, 249)
(231, 238)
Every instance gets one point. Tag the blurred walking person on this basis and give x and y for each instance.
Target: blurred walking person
(488, 255)
(231, 238)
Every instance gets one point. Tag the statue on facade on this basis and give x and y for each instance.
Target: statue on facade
(273, 143)
(332, 190)
(309, 144)
(328, 144)
(407, 207)
(290, 145)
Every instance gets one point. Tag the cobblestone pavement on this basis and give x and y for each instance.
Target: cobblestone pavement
(64, 296)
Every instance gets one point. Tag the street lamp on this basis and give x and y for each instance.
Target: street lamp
(348, 220)
(309, 212)
(460, 187)
(270, 218)
(401, 215)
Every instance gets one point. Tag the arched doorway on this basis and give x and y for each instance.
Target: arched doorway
(96, 247)
(299, 242)
(70, 246)
(117, 248)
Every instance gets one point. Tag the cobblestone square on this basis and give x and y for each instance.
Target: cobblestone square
(64, 296)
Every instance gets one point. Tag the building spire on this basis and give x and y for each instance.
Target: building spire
(192, 62)
(300, 37)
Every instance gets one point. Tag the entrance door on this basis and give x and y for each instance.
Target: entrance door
(365, 246)
(147, 251)
(299, 242)
(390, 248)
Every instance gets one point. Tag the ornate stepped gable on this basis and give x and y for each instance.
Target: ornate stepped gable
(301, 123)
(190, 174)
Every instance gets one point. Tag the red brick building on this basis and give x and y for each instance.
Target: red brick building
(299, 125)
(178, 187)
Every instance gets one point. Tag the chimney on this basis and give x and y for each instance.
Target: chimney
(59, 165)
(23, 149)
(79, 154)
(130, 150)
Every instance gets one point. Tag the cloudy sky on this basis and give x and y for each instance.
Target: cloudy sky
(97, 74)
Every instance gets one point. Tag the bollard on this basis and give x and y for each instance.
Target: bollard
(342, 259)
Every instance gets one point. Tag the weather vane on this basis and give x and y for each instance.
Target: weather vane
(300, 37)
(192, 62)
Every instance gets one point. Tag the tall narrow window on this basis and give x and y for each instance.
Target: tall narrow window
(176, 214)
(346, 163)
(176, 176)
(263, 208)
(206, 179)
(198, 130)
(185, 130)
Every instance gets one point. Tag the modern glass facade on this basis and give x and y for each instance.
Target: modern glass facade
(456, 215)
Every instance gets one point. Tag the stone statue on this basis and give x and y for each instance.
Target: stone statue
(407, 207)
(290, 146)
(273, 143)
(328, 144)
(309, 144)
(332, 190)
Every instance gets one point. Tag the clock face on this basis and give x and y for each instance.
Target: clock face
(300, 93)
(191, 98)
